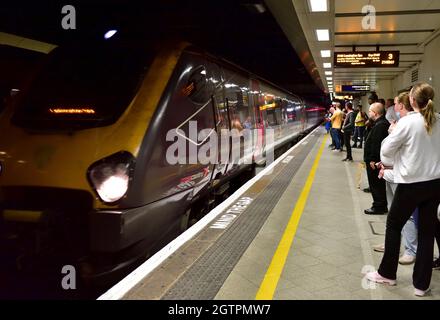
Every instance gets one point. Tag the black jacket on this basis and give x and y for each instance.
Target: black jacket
(378, 132)
(348, 126)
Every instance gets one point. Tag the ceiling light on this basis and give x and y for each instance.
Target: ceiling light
(322, 34)
(110, 34)
(326, 53)
(260, 8)
(318, 5)
(327, 65)
(329, 78)
(328, 73)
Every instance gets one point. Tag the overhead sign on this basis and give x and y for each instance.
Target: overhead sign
(356, 88)
(367, 59)
(344, 97)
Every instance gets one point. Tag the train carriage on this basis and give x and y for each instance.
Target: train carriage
(89, 171)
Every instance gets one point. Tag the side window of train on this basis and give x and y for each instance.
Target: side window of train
(216, 78)
(236, 95)
(292, 108)
(257, 107)
(274, 109)
(197, 88)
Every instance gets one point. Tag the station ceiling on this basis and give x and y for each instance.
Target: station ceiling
(243, 31)
(403, 25)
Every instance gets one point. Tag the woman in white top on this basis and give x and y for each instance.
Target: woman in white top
(412, 149)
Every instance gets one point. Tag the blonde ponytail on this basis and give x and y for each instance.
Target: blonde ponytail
(429, 116)
(423, 94)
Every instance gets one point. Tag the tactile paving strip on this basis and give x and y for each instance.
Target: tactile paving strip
(206, 276)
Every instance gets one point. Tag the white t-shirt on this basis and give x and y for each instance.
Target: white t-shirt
(413, 154)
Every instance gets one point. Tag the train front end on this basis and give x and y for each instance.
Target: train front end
(68, 149)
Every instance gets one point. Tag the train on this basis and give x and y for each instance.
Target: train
(85, 173)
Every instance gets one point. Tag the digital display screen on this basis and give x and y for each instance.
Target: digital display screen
(367, 59)
(355, 88)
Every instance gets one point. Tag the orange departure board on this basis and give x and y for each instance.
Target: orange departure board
(367, 59)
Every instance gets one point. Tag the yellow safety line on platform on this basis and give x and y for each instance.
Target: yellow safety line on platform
(273, 274)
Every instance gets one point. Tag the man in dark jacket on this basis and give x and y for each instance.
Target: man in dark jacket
(348, 129)
(378, 132)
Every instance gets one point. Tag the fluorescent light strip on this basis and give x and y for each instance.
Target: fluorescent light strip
(327, 65)
(326, 53)
(328, 73)
(322, 34)
(318, 5)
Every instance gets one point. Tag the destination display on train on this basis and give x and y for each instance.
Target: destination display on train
(367, 59)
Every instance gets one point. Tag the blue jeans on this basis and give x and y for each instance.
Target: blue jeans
(409, 235)
(335, 135)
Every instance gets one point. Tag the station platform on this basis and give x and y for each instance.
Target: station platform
(297, 231)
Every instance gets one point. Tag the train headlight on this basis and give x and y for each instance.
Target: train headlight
(110, 176)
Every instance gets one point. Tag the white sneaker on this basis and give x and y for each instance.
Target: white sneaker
(379, 247)
(421, 293)
(376, 277)
(407, 259)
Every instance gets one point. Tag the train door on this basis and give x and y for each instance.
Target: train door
(216, 77)
(256, 103)
(240, 120)
(303, 117)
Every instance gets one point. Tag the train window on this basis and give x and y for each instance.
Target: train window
(237, 95)
(196, 88)
(84, 86)
(273, 109)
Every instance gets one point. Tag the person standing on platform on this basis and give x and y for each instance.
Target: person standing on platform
(348, 129)
(336, 120)
(359, 128)
(412, 149)
(378, 133)
(328, 124)
(390, 114)
(402, 107)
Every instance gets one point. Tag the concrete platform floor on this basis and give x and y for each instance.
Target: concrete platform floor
(333, 243)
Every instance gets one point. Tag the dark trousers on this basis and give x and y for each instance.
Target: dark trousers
(378, 189)
(426, 197)
(347, 138)
(358, 136)
(341, 139)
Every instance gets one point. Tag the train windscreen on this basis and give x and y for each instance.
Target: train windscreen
(84, 86)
